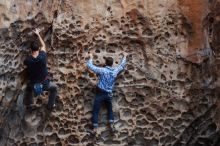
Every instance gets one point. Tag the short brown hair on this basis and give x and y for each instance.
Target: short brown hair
(108, 61)
(35, 46)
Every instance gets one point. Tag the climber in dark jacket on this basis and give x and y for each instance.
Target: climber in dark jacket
(38, 74)
(107, 76)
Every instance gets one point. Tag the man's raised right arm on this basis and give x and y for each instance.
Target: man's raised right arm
(37, 32)
(121, 66)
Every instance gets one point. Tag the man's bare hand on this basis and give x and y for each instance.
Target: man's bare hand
(122, 55)
(37, 31)
(90, 55)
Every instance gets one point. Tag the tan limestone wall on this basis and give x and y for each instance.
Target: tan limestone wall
(167, 95)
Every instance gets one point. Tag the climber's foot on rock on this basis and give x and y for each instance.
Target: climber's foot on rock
(51, 108)
(30, 108)
(92, 132)
(112, 128)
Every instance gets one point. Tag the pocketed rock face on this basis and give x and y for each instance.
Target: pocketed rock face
(167, 95)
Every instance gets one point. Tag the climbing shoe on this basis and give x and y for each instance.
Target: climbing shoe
(112, 127)
(92, 132)
(50, 108)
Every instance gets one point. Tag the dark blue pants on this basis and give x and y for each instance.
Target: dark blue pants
(47, 86)
(100, 98)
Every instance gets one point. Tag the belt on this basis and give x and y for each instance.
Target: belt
(101, 90)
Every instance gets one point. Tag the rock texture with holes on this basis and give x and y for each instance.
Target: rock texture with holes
(168, 94)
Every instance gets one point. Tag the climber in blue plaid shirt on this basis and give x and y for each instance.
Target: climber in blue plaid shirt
(107, 76)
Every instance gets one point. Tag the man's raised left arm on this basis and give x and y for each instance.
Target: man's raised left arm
(91, 66)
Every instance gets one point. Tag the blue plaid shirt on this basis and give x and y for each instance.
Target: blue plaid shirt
(106, 75)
